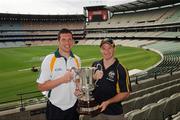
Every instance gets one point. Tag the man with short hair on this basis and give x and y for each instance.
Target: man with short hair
(57, 79)
(112, 83)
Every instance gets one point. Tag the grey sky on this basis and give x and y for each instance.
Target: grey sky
(52, 6)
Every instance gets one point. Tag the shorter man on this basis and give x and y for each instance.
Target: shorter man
(112, 83)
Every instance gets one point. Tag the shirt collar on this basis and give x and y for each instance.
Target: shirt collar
(114, 64)
(58, 55)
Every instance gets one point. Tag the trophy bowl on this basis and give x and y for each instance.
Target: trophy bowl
(86, 102)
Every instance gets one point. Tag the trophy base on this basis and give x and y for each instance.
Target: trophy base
(84, 111)
(88, 108)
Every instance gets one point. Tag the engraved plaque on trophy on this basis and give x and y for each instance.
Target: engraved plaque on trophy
(86, 102)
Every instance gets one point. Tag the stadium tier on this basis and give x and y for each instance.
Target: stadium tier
(148, 24)
(23, 28)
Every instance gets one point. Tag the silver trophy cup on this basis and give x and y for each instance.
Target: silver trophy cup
(86, 102)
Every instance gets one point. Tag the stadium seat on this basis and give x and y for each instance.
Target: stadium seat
(140, 114)
(176, 115)
(128, 105)
(128, 114)
(170, 106)
(141, 101)
(177, 118)
(156, 111)
(177, 97)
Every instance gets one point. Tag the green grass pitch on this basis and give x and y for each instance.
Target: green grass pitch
(15, 63)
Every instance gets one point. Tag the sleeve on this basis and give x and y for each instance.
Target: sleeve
(45, 73)
(79, 61)
(123, 79)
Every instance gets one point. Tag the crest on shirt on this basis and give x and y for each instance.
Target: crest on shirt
(58, 69)
(111, 76)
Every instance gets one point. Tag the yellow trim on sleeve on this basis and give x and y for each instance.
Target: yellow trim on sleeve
(52, 63)
(77, 63)
(127, 79)
(117, 84)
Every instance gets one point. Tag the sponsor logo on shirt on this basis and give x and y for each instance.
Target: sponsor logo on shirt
(111, 75)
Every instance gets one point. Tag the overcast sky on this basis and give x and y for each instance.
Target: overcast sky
(52, 6)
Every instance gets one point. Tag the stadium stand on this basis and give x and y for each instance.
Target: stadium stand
(23, 28)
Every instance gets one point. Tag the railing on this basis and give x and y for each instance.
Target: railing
(154, 74)
(25, 99)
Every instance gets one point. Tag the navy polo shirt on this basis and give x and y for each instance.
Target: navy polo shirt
(115, 79)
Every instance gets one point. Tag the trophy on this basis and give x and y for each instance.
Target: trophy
(86, 102)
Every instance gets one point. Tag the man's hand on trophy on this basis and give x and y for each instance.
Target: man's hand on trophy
(98, 75)
(104, 105)
(68, 76)
(78, 92)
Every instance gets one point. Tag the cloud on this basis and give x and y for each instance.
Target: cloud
(52, 6)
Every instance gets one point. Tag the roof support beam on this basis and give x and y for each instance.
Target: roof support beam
(124, 6)
(134, 4)
(143, 2)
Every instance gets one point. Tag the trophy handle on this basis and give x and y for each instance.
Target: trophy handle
(98, 67)
(76, 71)
(77, 81)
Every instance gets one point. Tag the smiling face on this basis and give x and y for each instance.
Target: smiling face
(66, 42)
(107, 51)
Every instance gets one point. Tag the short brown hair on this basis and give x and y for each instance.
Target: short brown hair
(62, 31)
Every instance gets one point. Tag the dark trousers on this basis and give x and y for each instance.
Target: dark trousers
(55, 113)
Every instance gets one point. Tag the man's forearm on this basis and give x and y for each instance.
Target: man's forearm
(50, 84)
(118, 97)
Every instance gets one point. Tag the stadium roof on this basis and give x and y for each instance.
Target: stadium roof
(27, 17)
(95, 7)
(141, 4)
